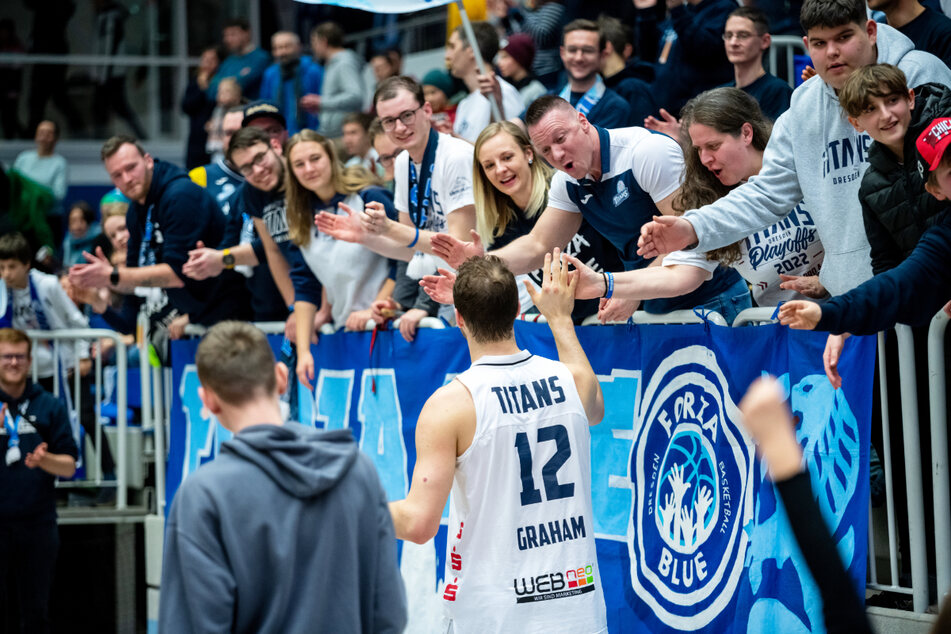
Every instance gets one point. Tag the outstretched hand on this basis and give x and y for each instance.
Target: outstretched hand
(665, 234)
(454, 251)
(800, 314)
(556, 298)
(807, 285)
(346, 226)
(374, 220)
(94, 273)
(439, 287)
(590, 282)
(616, 309)
(831, 356)
(667, 124)
(203, 262)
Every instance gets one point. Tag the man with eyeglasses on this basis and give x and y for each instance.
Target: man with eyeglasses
(583, 48)
(386, 152)
(168, 215)
(36, 446)
(242, 246)
(746, 38)
(433, 185)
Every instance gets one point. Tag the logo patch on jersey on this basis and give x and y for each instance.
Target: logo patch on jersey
(622, 193)
(554, 585)
(691, 467)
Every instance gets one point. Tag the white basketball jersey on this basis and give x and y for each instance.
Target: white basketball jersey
(520, 554)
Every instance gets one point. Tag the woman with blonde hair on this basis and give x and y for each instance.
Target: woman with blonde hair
(353, 277)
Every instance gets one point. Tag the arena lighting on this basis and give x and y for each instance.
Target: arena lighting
(411, 6)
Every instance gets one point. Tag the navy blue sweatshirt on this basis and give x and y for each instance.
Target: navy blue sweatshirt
(182, 213)
(28, 494)
(910, 293)
(287, 530)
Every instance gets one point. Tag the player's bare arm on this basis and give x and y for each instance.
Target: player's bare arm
(444, 430)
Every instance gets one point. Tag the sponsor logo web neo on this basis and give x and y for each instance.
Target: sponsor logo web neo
(554, 585)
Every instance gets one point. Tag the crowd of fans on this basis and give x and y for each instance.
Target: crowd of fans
(657, 152)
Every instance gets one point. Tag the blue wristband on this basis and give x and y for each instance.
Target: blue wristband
(415, 240)
(610, 289)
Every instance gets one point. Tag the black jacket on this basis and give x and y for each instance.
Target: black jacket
(895, 206)
(182, 213)
(28, 494)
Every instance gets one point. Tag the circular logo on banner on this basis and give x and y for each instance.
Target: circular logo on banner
(691, 466)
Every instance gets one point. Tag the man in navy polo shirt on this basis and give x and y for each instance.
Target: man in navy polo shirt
(617, 180)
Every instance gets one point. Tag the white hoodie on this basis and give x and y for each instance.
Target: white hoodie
(815, 155)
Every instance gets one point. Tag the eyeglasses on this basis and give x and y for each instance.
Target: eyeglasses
(740, 35)
(408, 118)
(258, 159)
(10, 358)
(584, 50)
(387, 159)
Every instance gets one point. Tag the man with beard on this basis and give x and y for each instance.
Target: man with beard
(289, 78)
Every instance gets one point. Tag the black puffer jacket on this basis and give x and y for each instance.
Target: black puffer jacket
(895, 205)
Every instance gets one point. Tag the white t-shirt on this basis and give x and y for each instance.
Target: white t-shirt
(451, 182)
(791, 246)
(521, 555)
(474, 112)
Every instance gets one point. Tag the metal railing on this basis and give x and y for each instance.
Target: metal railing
(791, 45)
(87, 335)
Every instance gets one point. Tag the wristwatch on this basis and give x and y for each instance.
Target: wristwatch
(114, 276)
(227, 259)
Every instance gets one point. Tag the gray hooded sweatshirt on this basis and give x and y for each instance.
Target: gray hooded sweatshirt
(815, 155)
(288, 530)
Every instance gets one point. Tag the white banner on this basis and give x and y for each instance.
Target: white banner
(383, 6)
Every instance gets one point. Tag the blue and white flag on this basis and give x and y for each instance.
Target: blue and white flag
(691, 535)
(383, 6)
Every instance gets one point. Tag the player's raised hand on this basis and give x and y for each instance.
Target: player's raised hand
(665, 234)
(556, 298)
(439, 287)
(454, 251)
(590, 282)
(800, 314)
(768, 420)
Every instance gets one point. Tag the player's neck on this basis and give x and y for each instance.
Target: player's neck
(502, 348)
(262, 411)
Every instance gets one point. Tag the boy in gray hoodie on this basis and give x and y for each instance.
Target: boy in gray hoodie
(288, 530)
(814, 154)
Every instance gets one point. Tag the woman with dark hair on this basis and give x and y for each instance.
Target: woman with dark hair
(724, 135)
(353, 277)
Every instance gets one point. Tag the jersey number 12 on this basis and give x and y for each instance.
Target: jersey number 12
(553, 490)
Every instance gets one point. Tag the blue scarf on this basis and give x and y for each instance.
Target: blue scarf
(146, 252)
(11, 423)
(590, 99)
(417, 207)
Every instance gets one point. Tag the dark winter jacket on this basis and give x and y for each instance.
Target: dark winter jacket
(895, 206)
(287, 530)
(911, 293)
(182, 213)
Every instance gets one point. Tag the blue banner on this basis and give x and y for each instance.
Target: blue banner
(383, 6)
(691, 535)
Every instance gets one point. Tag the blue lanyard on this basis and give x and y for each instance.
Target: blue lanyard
(146, 253)
(417, 207)
(590, 99)
(6, 320)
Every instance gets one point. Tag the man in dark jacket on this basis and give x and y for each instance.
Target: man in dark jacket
(168, 216)
(37, 445)
(895, 206)
(288, 529)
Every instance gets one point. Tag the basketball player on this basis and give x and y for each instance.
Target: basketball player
(510, 437)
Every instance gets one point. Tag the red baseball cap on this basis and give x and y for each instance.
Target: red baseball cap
(934, 141)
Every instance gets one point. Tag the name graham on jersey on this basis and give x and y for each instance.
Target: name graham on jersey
(519, 399)
(545, 534)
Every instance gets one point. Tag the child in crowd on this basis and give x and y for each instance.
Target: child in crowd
(83, 234)
(895, 206)
(229, 95)
(438, 90)
(914, 290)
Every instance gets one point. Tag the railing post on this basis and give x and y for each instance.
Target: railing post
(913, 484)
(937, 383)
